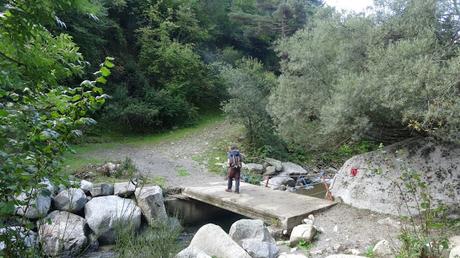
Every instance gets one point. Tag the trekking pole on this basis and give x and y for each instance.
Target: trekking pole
(266, 183)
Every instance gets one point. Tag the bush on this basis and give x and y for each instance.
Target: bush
(383, 77)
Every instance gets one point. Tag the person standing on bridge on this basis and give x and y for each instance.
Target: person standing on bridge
(234, 163)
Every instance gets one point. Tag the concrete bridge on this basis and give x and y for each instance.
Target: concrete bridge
(283, 209)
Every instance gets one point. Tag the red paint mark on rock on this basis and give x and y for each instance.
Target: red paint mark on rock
(354, 171)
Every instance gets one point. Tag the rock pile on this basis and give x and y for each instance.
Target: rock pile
(74, 220)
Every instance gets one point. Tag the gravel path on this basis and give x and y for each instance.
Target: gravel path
(165, 158)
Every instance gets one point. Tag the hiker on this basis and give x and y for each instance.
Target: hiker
(234, 168)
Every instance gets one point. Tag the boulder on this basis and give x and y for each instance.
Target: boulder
(64, 236)
(455, 252)
(370, 181)
(253, 168)
(38, 206)
(124, 189)
(28, 237)
(286, 255)
(86, 186)
(292, 169)
(212, 240)
(150, 200)
(383, 250)
(305, 232)
(258, 249)
(278, 181)
(103, 214)
(270, 171)
(275, 163)
(192, 252)
(101, 190)
(71, 200)
(250, 229)
(454, 241)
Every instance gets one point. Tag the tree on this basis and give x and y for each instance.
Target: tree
(384, 77)
(39, 111)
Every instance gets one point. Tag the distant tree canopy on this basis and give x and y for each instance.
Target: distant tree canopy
(385, 76)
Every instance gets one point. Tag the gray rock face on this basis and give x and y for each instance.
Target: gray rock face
(304, 232)
(192, 252)
(150, 200)
(101, 190)
(276, 163)
(292, 169)
(65, 236)
(86, 186)
(455, 252)
(383, 250)
(278, 181)
(38, 207)
(71, 200)
(254, 237)
(104, 213)
(124, 189)
(257, 249)
(253, 168)
(345, 256)
(250, 229)
(378, 192)
(286, 255)
(270, 171)
(212, 240)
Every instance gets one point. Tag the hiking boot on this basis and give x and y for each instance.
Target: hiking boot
(228, 190)
(237, 192)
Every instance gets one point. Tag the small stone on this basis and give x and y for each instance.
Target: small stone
(383, 249)
(86, 186)
(304, 232)
(124, 189)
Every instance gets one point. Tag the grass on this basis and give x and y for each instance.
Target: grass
(82, 153)
(181, 171)
(304, 245)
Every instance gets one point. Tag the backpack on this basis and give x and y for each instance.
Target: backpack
(235, 159)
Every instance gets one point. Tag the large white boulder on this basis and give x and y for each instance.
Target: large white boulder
(86, 186)
(212, 240)
(292, 169)
(254, 237)
(378, 174)
(64, 236)
(150, 200)
(71, 200)
(124, 189)
(192, 252)
(455, 252)
(250, 229)
(305, 232)
(101, 190)
(276, 163)
(36, 206)
(253, 168)
(105, 213)
(277, 182)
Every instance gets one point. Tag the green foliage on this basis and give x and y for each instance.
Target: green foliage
(305, 245)
(127, 169)
(160, 239)
(181, 171)
(39, 111)
(383, 77)
(249, 86)
(424, 235)
(370, 252)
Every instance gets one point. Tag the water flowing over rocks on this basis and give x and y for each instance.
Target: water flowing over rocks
(64, 236)
(71, 200)
(150, 200)
(371, 181)
(104, 213)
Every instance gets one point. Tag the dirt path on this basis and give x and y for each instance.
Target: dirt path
(171, 160)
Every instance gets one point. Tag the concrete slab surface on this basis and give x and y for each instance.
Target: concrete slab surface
(281, 208)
